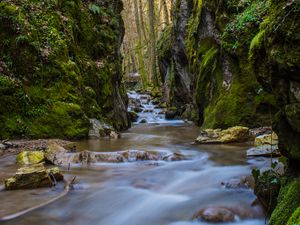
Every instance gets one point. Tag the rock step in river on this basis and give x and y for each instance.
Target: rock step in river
(211, 182)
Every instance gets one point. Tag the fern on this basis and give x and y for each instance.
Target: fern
(94, 8)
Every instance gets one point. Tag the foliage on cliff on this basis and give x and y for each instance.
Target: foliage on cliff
(59, 66)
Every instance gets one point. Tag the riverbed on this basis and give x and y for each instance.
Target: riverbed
(145, 192)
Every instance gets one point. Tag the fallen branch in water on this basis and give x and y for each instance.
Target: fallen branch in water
(18, 214)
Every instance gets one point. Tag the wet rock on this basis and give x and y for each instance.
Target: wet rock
(95, 127)
(156, 101)
(144, 99)
(34, 176)
(148, 110)
(99, 129)
(174, 157)
(215, 215)
(143, 121)
(2, 147)
(264, 150)
(260, 131)
(236, 134)
(238, 183)
(137, 109)
(266, 139)
(133, 116)
(87, 157)
(162, 105)
(267, 186)
(114, 135)
(30, 157)
(56, 154)
(171, 114)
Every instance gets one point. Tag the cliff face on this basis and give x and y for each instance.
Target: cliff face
(214, 82)
(60, 65)
(238, 62)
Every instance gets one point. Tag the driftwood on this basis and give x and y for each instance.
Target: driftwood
(67, 188)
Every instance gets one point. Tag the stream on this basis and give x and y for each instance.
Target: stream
(146, 192)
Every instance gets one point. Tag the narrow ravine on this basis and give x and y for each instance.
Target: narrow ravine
(151, 192)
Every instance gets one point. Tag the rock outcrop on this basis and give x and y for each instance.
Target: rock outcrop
(204, 64)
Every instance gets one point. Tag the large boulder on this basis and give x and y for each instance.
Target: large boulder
(99, 129)
(236, 134)
(55, 154)
(34, 176)
(30, 157)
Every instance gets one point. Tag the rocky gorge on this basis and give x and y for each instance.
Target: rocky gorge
(231, 67)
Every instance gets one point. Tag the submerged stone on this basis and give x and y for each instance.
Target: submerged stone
(215, 215)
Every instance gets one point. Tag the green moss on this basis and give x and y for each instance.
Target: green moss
(288, 202)
(242, 28)
(256, 43)
(192, 32)
(295, 218)
(59, 79)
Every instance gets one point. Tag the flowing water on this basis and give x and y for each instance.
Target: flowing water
(145, 192)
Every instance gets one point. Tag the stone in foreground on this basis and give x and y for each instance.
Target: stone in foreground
(236, 134)
(35, 176)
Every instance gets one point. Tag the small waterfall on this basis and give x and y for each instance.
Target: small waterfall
(148, 109)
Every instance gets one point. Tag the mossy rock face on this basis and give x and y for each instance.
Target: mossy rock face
(211, 67)
(295, 218)
(288, 203)
(51, 79)
(30, 157)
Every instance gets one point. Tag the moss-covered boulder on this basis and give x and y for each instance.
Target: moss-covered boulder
(34, 176)
(231, 135)
(30, 157)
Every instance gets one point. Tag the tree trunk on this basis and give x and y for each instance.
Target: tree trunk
(139, 45)
(152, 37)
